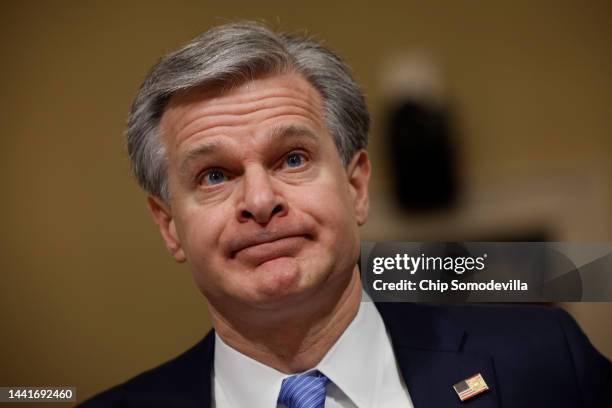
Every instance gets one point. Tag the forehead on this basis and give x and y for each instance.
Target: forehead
(262, 102)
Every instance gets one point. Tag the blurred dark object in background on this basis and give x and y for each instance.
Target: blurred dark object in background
(423, 157)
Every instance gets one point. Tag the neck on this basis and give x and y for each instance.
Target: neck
(298, 342)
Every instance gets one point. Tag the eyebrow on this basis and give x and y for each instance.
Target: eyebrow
(202, 150)
(276, 134)
(284, 131)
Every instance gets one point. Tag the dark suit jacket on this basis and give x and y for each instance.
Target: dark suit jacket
(528, 356)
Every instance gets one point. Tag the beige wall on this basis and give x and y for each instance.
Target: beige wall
(89, 296)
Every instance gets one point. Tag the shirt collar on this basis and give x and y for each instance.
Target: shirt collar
(244, 381)
(358, 356)
(349, 364)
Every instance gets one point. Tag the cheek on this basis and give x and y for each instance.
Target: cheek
(338, 234)
(200, 239)
(200, 232)
(331, 207)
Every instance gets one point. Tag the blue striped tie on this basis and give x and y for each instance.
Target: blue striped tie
(304, 390)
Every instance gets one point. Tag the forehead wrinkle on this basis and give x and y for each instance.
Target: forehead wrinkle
(203, 125)
(207, 124)
(217, 113)
(252, 92)
(293, 92)
(253, 95)
(244, 108)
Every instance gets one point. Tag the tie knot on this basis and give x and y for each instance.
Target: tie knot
(304, 390)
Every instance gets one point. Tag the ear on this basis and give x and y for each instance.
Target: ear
(165, 222)
(358, 172)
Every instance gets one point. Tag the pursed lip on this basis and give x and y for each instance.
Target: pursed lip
(264, 246)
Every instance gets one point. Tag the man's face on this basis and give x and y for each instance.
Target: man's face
(262, 207)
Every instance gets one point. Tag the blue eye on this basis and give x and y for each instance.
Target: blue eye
(214, 177)
(294, 160)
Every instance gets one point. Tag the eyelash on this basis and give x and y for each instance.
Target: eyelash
(300, 153)
(201, 177)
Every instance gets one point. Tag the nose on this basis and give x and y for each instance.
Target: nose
(259, 202)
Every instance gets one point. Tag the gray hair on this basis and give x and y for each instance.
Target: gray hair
(229, 55)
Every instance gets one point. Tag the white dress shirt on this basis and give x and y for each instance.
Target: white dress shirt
(361, 366)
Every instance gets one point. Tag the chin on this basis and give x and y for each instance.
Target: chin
(282, 280)
(278, 277)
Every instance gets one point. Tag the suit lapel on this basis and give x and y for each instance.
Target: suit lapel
(208, 352)
(428, 349)
(196, 373)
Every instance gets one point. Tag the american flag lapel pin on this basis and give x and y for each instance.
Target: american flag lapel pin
(470, 387)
